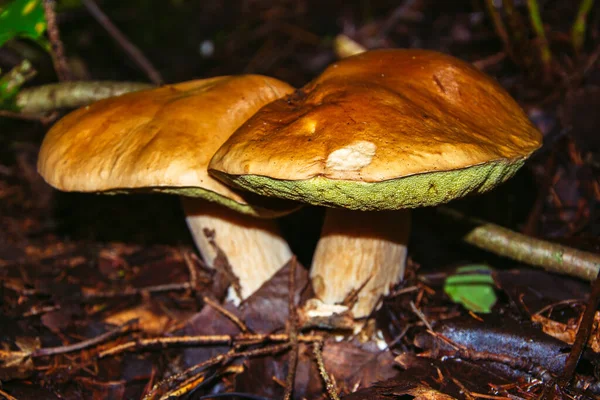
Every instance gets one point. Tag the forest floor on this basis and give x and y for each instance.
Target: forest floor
(92, 288)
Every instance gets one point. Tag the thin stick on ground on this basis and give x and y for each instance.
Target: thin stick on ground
(132, 291)
(232, 317)
(540, 253)
(84, 344)
(189, 263)
(583, 334)
(292, 332)
(192, 383)
(204, 340)
(132, 50)
(192, 372)
(420, 315)
(329, 384)
(6, 395)
(58, 51)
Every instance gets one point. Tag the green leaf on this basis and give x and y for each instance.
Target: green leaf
(473, 287)
(22, 18)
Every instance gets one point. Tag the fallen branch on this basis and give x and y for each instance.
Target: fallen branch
(552, 257)
(50, 351)
(84, 344)
(45, 98)
(202, 340)
(329, 384)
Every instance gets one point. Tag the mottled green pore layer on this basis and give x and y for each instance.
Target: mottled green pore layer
(249, 209)
(408, 192)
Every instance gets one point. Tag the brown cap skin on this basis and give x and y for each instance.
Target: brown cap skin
(160, 139)
(378, 116)
(422, 111)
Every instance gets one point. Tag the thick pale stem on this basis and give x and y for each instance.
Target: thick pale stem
(358, 247)
(254, 247)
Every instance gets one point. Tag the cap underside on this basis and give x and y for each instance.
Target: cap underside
(407, 192)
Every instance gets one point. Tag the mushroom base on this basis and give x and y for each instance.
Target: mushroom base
(361, 255)
(254, 247)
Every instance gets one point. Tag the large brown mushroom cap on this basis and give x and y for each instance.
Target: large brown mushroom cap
(160, 139)
(383, 129)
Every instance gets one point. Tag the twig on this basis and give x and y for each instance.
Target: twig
(514, 21)
(540, 253)
(499, 27)
(400, 292)
(579, 26)
(189, 263)
(292, 328)
(583, 334)
(329, 385)
(41, 99)
(58, 51)
(6, 395)
(132, 51)
(50, 351)
(463, 389)
(420, 315)
(198, 379)
(203, 340)
(44, 119)
(538, 28)
(183, 376)
(132, 291)
(240, 324)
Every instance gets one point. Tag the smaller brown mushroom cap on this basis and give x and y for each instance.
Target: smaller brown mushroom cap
(384, 129)
(160, 139)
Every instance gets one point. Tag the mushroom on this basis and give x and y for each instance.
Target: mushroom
(161, 140)
(379, 131)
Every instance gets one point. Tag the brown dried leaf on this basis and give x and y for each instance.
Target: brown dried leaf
(267, 309)
(567, 332)
(15, 364)
(151, 319)
(418, 391)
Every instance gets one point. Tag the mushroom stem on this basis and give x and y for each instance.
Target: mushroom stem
(360, 251)
(254, 247)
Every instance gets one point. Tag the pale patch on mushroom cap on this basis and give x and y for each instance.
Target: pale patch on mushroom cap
(438, 129)
(159, 140)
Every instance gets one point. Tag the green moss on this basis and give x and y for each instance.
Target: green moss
(408, 192)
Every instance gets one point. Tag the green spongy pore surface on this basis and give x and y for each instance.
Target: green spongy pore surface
(260, 208)
(427, 189)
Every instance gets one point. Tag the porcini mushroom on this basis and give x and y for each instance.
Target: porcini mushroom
(161, 140)
(382, 130)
